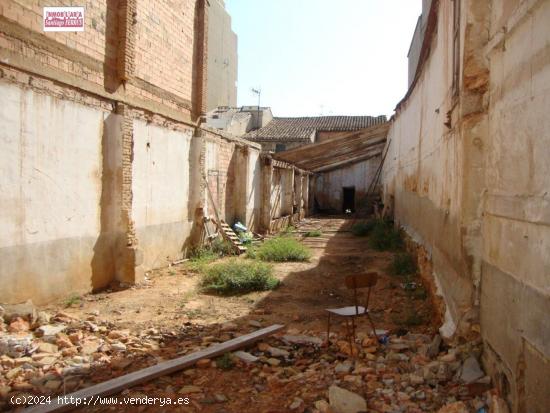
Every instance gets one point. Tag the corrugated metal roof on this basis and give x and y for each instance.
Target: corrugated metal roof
(335, 153)
(298, 129)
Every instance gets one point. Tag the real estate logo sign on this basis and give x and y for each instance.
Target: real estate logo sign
(63, 19)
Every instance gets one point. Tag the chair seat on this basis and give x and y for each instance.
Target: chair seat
(348, 311)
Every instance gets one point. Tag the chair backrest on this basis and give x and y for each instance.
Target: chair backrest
(361, 280)
(354, 282)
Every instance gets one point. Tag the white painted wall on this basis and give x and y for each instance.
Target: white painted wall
(50, 191)
(161, 192)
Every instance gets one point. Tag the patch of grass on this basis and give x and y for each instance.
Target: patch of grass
(403, 264)
(384, 237)
(225, 362)
(238, 277)
(202, 256)
(311, 234)
(362, 229)
(73, 300)
(252, 252)
(287, 231)
(282, 249)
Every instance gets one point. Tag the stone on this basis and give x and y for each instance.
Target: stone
(296, 403)
(416, 380)
(47, 348)
(121, 363)
(13, 373)
(50, 330)
(246, 357)
(26, 311)
(53, 385)
(15, 345)
(255, 323)
(302, 339)
(322, 406)
(498, 405)
(118, 347)
(345, 401)
(4, 391)
(457, 407)
(190, 390)
(204, 363)
(343, 368)
(89, 347)
(117, 334)
(471, 371)
(220, 398)
(433, 348)
(229, 326)
(273, 362)
(63, 342)
(69, 351)
(277, 352)
(448, 358)
(18, 325)
(46, 361)
(76, 337)
(42, 318)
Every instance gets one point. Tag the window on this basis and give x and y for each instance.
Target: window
(280, 147)
(456, 46)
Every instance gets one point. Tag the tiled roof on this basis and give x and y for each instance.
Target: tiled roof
(298, 129)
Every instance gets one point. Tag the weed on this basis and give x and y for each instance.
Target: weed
(225, 362)
(403, 264)
(72, 300)
(252, 252)
(172, 273)
(384, 237)
(221, 247)
(287, 231)
(238, 277)
(362, 229)
(315, 233)
(202, 256)
(283, 249)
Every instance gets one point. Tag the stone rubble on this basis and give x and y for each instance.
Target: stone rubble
(410, 373)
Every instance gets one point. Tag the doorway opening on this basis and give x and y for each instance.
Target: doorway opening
(349, 199)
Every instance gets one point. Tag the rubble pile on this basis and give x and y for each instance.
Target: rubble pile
(294, 371)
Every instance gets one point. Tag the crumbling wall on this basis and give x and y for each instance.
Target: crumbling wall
(423, 170)
(515, 295)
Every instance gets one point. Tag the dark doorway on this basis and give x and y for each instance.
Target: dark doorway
(349, 199)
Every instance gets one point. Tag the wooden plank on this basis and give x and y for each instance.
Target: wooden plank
(123, 382)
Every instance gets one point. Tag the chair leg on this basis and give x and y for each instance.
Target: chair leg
(353, 328)
(328, 330)
(372, 326)
(349, 338)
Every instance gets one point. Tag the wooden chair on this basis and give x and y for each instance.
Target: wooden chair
(355, 282)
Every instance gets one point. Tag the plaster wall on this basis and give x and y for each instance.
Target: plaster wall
(329, 185)
(422, 173)
(51, 194)
(516, 220)
(161, 180)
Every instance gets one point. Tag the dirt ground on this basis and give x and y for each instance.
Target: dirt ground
(119, 331)
(171, 297)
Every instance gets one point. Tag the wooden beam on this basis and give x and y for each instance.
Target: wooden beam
(118, 384)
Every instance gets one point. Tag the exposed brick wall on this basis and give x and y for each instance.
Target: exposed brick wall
(150, 54)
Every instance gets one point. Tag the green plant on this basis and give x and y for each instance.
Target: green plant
(362, 229)
(237, 277)
(225, 362)
(221, 247)
(315, 233)
(72, 300)
(384, 237)
(403, 264)
(252, 252)
(287, 231)
(283, 249)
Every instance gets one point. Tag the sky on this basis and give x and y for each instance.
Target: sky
(323, 57)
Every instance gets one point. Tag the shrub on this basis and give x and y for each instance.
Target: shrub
(384, 237)
(283, 249)
(315, 233)
(204, 255)
(362, 229)
(403, 264)
(237, 277)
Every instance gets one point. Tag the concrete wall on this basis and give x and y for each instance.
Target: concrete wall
(222, 58)
(329, 185)
(467, 175)
(54, 232)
